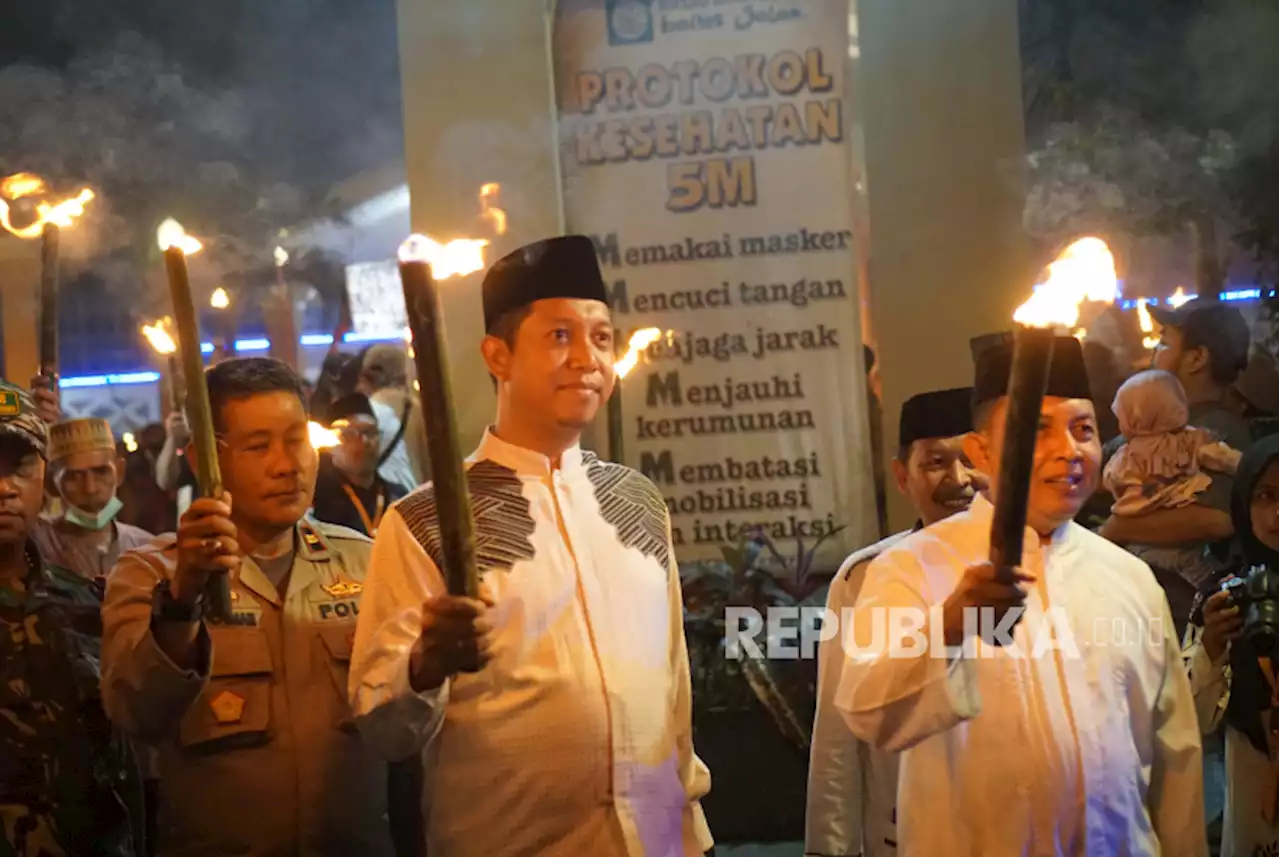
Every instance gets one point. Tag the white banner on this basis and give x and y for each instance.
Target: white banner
(376, 298)
(703, 148)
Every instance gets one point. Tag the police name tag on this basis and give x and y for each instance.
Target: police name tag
(339, 610)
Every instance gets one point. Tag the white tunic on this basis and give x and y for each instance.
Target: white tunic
(576, 739)
(849, 802)
(1034, 752)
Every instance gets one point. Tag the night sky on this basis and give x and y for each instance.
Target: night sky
(321, 77)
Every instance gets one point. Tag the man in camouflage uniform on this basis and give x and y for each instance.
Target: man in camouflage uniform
(69, 786)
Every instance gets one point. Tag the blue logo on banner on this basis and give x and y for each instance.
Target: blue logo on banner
(630, 21)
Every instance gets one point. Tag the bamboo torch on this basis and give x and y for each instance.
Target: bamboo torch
(423, 263)
(49, 239)
(639, 341)
(1085, 271)
(161, 341)
(50, 219)
(177, 245)
(220, 300)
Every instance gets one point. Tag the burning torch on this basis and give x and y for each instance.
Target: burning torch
(50, 219)
(423, 263)
(161, 341)
(639, 341)
(177, 245)
(1085, 271)
(220, 301)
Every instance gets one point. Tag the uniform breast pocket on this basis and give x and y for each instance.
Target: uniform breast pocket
(337, 642)
(234, 710)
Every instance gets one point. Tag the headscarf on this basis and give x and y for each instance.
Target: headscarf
(1160, 450)
(1253, 465)
(1250, 692)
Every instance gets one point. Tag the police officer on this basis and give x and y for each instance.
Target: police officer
(257, 752)
(68, 783)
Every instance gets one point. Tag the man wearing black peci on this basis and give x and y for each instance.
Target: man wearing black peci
(1078, 734)
(574, 737)
(849, 805)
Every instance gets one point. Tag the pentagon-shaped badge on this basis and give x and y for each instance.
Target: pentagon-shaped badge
(227, 708)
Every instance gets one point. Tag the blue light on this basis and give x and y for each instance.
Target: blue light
(308, 339)
(84, 381)
(1241, 294)
(118, 380)
(374, 337)
(134, 378)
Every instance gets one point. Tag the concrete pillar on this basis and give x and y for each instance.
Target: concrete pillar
(20, 305)
(938, 105)
(477, 109)
(937, 112)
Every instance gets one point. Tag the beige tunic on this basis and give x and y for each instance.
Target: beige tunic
(575, 740)
(258, 754)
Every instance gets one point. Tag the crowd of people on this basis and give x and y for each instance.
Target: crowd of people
(350, 703)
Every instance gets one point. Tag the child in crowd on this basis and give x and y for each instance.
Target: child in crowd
(1163, 464)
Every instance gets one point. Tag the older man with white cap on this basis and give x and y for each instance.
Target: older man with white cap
(86, 471)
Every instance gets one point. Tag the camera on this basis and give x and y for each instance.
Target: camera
(1255, 595)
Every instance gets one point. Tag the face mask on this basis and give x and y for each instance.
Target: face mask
(94, 522)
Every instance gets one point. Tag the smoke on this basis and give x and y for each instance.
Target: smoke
(236, 118)
(1143, 117)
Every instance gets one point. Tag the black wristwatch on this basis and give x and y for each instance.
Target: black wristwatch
(166, 608)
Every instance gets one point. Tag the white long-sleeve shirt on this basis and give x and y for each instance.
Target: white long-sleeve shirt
(1033, 751)
(849, 804)
(576, 738)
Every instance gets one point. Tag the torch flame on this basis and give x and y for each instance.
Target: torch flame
(639, 341)
(489, 209)
(1179, 297)
(219, 299)
(60, 214)
(321, 437)
(130, 442)
(171, 234)
(1145, 323)
(1085, 271)
(159, 338)
(460, 256)
(19, 185)
(281, 256)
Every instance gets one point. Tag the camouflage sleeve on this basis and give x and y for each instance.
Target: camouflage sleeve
(144, 692)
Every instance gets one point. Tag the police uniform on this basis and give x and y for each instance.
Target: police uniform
(258, 754)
